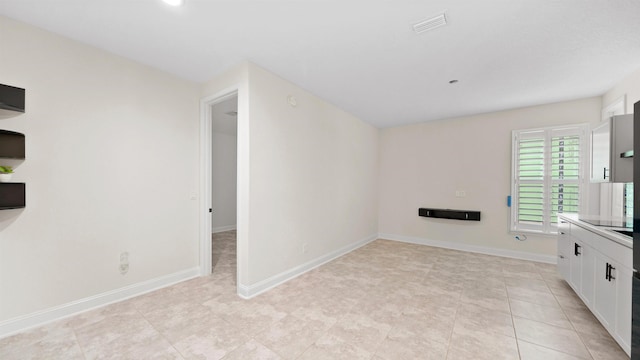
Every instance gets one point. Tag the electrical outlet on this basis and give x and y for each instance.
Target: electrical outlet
(124, 263)
(460, 193)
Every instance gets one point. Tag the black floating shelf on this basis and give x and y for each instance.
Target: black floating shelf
(11, 100)
(11, 145)
(450, 214)
(12, 196)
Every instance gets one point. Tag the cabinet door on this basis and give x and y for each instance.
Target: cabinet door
(605, 299)
(623, 279)
(600, 152)
(575, 265)
(564, 250)
(587, 278)
(622, 141)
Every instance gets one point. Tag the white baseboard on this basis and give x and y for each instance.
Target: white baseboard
(549, 259)
(22, 323)
(250, 291)
(223, 228)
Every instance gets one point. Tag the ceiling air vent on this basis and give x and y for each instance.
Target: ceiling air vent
(430, 24)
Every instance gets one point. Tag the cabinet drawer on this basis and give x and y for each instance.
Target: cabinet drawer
(564, 227)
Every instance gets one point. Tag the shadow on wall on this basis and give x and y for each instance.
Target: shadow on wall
(8, 217)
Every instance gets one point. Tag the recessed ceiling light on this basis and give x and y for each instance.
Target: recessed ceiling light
(453, 81)
(174, 2)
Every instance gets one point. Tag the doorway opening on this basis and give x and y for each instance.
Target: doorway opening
(239, 198)
(224, 154)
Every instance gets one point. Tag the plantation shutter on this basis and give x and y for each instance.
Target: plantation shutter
(547, 176)
(530, 200)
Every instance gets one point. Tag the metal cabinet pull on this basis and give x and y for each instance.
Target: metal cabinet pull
(610, 276)
(576, 249)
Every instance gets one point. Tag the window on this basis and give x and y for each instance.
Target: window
(548, 174)
(628, 200)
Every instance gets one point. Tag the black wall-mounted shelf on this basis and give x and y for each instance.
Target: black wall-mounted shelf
(12, 195)
(12, 145)
(11, 101)
(467, 215)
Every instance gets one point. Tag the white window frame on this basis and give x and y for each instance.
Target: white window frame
(547, 227)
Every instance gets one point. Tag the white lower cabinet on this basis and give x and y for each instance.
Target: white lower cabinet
(575, 265)
(581, 270)
(599, 271)
(564, 249)
(613, 298)
(624, 280)
(588, 269)
(605, 302)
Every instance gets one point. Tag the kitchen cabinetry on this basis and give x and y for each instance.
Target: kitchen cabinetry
(611, 143)
(612, 305)
(605, 291)
(582, 268)
(599, 271)
(588, 273)
(623, 280)
(564, 248)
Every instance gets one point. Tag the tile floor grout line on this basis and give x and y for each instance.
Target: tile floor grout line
(75, 338)
(159, 332)
(513, 323)
(573, 326)
(455, 317)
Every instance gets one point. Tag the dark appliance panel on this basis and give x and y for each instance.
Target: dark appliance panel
(635, 326)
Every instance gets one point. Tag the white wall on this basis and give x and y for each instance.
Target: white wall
(629, 86)
(223, 199)
(111, 166)
(424, 165)
(313, 177)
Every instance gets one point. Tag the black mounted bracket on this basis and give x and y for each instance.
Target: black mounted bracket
(450, 214)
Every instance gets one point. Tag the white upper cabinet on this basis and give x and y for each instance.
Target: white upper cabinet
(611, 143)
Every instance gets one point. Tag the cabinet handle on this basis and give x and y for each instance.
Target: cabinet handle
(604, 175)
(561, 256)
(576, 249)
(561, 232)
(611, 268)
(607, 272)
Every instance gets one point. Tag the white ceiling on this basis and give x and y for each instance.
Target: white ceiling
(363, 55)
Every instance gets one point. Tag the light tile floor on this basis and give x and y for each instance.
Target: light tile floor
(386, 300)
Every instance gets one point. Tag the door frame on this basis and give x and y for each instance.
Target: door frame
(206, 140)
